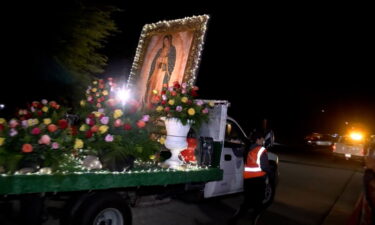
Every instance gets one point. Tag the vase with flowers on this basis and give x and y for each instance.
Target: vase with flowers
(177, 107)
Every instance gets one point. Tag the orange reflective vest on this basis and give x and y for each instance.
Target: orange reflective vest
(252, 166)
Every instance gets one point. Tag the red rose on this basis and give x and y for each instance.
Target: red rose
(53, 104)
(127, 127)
(101, 86)
(163, 92)
(40, 113)
(190, 102)
(2, 127)
(167, 109)
(35, 131)
(165, 85)
(94, 129)
(35, 104)
(176, 84)
(91, 116)
(141, 124)
(194, 93)
(63, 124)
(173, 93)
(91, 122)
(163, 102)
(88, 134)
(27, 148)
(52, 128)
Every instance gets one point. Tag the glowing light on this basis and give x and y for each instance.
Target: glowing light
(356, 136)
(123, 95)
(2, 106)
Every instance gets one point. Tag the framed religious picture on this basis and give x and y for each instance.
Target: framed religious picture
(167, 51)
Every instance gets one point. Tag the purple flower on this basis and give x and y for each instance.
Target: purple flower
(200, 102)
(32, 109)
(55, 145)
(164, 97)
(205, 111)
(108, 138)
(170, 89)
(24, 124)
(146, 118)
(44, 101)
(101, 110)
(179, 108)
(88, 120)
(13, 132)
(104, 120)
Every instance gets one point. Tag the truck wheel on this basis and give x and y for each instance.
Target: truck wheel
(270, 190)
(269, 194)
(104, 209)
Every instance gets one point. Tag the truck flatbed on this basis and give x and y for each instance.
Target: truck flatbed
(79, 181)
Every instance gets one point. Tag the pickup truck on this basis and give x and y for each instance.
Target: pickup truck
(107, 197)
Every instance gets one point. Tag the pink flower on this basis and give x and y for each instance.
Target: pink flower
(44, 140)
(167, 109)
(55, 145)
(101, 110)
(32, 109)
(164, 97)
(200, 102)
(118, 123)
(184, 85)
(179, 108)
(89, 99)
(13, 123)
(170, 89)
(35, 131)
(108, 138)
(146, 118)
(104, 120)
(25, 124)
(183, 91)
(44, 101)
(205, 111)
(13, 132)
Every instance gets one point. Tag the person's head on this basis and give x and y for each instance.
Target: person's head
(167, 40)
(258, 138)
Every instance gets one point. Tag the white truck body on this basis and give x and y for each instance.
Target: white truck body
(231, 158)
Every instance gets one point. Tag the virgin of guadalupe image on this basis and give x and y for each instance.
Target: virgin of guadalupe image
(161, 68)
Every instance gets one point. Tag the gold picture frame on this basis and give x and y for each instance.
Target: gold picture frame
(167, 51)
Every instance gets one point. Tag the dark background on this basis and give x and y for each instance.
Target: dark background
(304, 68)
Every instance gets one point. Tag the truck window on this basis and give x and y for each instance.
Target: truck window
(233, 136)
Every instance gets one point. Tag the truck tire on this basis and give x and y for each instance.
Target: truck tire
(270, 190)
(104, 209)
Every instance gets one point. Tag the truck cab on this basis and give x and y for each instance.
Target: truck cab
(232, 138)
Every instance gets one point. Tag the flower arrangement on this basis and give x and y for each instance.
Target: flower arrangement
(178, 101)
(38, 137)
(112, 128)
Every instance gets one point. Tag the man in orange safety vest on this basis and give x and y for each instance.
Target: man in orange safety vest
(255, 170)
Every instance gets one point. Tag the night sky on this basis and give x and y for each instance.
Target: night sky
(285, 63)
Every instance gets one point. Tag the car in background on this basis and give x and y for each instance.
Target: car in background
(321, 140)
(351, 146)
